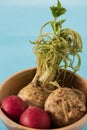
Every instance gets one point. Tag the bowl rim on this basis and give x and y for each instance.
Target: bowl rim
(16, 73)
(9, 122)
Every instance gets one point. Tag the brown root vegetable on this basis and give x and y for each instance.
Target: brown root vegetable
(65, 106)
(33, 95)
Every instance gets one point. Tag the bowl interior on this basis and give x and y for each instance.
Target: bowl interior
(16, 82)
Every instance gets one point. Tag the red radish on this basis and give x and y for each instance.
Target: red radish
(13, 106)
(35, 117)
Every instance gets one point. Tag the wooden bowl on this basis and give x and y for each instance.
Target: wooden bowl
(17, 81)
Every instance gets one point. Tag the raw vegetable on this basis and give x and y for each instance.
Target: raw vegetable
(35, 117)
(13, 106)
(65, 106)
(55, 51)
(33, 95)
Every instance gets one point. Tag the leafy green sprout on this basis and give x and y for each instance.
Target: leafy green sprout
(56, 50)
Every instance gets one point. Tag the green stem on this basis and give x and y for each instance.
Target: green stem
(44, 26)
(55, 25)
(49, 73)
(47, 77)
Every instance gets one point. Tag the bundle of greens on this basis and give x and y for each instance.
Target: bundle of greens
(57, 49)
(54, 51)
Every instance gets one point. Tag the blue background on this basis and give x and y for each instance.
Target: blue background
(20, 21)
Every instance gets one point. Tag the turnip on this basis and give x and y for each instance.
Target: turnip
(54, 51)
(13, 106)
(65, 106)
(35, 117)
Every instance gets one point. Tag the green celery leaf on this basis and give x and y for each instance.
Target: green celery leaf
(57, 10)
